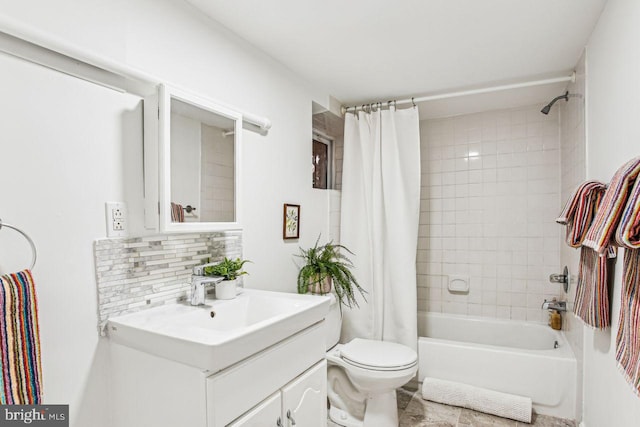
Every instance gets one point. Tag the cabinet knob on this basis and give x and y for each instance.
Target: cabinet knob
(279, 422)
(291, 420)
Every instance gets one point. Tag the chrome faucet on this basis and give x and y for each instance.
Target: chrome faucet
(554, 305)
(199, 284)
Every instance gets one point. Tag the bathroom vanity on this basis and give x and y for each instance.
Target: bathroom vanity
(259, 361)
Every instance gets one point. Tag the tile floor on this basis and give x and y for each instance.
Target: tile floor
(414, 411)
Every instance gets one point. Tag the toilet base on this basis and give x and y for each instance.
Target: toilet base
(381, 411)
(343, 418)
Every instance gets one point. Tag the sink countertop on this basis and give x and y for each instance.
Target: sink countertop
(219, 333)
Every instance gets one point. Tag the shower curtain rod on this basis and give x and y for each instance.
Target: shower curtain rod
(571, 78)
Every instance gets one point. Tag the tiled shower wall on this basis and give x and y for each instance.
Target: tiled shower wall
(490, 194)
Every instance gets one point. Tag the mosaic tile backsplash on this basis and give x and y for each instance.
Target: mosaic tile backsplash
(143, 272)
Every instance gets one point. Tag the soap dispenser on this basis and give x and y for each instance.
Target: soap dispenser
(555, 320)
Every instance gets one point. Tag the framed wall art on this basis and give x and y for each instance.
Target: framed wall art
(291, 221)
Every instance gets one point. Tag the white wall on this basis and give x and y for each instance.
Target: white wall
(573, 172)
(64, 156)
(170, 40)
(613, 137)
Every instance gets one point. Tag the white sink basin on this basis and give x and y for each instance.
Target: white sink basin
(221, 332)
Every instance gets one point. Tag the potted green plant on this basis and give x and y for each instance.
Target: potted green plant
(229, 269)
(326, 265)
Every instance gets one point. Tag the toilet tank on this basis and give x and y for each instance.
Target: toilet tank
(333, 323)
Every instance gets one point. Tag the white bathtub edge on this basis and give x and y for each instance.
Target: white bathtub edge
(493, 367)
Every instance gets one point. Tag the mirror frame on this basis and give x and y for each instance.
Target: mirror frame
(166, 94)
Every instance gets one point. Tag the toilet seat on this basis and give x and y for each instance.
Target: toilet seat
(378, 355)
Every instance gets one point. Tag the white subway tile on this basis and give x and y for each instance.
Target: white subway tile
(503, 312)
(474, 309)
(536, 315)
(489, 310)
(503, 132)
(475, 176)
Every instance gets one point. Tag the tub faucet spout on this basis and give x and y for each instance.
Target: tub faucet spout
(554, 305)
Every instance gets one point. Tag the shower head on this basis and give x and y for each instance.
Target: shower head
(547, 107)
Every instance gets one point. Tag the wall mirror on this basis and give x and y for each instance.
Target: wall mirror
(199, 160)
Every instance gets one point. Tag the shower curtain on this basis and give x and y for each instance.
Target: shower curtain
(379, 222)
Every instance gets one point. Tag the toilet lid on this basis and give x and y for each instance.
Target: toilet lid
(380, 355)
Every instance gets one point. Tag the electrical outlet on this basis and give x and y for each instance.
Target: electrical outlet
(116, 215)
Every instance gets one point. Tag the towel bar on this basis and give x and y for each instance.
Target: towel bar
(33, 246)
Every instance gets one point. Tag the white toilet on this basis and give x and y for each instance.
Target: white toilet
(363, 376)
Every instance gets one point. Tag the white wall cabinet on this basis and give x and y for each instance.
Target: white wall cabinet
(192, 157)
(302, 402)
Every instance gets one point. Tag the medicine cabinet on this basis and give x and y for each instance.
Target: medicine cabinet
(193, 148)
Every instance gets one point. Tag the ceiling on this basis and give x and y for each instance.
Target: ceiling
(368, 50)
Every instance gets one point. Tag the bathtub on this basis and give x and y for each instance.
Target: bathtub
(523, 358)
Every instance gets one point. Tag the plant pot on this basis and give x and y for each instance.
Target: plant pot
(226, 289)
(322, 287)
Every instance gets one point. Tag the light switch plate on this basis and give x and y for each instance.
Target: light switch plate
(116, 216)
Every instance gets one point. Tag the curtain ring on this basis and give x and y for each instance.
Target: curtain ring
(413, 102)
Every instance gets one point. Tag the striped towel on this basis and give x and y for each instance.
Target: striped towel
(627, 235)
(628, 338)
(592, 292)
(606, 221)
(177, 213)
(21, 380)
(579, 211)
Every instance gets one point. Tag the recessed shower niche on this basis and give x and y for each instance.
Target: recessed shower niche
(195, 161)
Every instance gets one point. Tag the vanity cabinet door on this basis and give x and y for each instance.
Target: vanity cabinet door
(304, 400)
(266, 414)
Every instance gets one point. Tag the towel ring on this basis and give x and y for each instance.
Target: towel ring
(33, 246)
